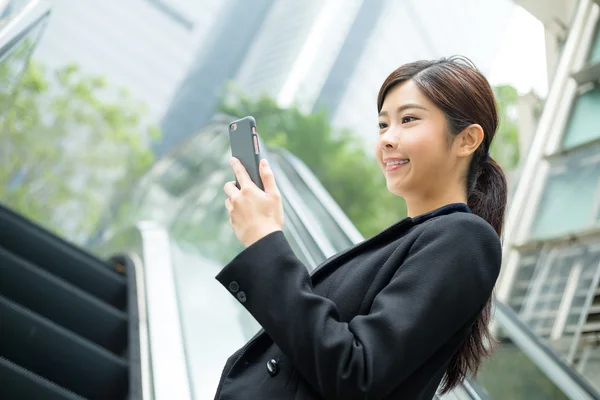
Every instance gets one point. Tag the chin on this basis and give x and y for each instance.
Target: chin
(395, 189)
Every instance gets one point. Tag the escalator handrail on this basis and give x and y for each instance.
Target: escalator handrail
(570, 382)
(323, 196)
(165, 370)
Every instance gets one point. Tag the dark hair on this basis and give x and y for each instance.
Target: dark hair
(464, 95)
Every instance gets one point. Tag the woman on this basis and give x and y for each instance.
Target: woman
(407, 310)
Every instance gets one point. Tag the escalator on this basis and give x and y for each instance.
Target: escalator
(68, 320)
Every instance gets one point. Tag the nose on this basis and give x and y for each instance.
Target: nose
(388, 140)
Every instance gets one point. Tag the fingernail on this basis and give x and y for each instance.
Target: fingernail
(264, 162)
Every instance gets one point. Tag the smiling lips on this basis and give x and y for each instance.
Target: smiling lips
(392, 164)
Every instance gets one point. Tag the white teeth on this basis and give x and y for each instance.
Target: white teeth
(396, 162)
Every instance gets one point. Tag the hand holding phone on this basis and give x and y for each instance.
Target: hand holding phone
(243, 138)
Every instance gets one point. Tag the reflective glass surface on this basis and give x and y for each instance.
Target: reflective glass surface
(594, 56)
(13, 60)
(584, 121)
(510, 374)
(569, 200)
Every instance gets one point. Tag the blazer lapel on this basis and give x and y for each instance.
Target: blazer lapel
(334, 261)
(395, 229)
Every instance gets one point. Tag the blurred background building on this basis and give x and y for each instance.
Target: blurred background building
(179, 58)
(551, 275)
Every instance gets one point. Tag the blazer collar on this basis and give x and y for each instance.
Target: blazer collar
(403, 224)
(444, 210)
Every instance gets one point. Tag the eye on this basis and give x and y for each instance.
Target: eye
(383, 125)
(407, 119)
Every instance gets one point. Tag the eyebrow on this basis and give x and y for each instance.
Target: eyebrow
(403, 108)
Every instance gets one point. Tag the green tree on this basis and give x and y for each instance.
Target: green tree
(68, 142)
(338, 159)
(505, 148)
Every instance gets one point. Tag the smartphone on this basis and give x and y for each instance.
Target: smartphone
(243, 138)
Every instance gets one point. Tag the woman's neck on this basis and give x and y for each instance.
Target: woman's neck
(423, 205)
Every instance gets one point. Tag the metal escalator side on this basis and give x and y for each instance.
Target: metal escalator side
(555, 377)
(69, 320)
(163, 362)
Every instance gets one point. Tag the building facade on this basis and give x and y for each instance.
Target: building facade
(143, 46)
(551, 275)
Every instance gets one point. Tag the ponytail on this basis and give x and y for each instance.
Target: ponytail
(488, 192)
(487, 197)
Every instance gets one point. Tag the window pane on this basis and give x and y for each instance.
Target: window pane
(567, 204)
(584, 123)
(595, 51)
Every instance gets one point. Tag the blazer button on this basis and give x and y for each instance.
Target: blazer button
(234, 287)
(241, 296)
(272, 367)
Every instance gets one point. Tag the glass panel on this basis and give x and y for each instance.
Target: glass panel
(510, 374)
(584, 122)
(9, 9)
(567, 203)
(324, 221)
(589, 365)
(214, 324)
(13, 64)
(595, 50)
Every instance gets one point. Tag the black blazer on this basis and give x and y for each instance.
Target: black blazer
(378, 321)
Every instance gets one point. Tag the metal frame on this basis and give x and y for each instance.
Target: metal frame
(584, 314)
(34, 11)
(143, 331)
(164, 368)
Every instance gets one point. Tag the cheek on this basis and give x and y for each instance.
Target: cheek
(424, 146)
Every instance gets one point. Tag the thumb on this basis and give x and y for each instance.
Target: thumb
(267, 177)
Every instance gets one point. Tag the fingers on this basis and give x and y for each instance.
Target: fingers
(228, 204)
(230, 189)
(240, 173)
(268, 179)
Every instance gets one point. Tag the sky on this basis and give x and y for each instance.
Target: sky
(521, 60)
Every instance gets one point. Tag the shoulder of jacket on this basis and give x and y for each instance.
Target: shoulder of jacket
(467, 225)
(460, 220)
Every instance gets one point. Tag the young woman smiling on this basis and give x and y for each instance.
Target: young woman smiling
(402, 313)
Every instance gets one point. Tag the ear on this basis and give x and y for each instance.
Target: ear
(468, 140)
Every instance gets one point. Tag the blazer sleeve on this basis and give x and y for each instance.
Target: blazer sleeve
(445, 279)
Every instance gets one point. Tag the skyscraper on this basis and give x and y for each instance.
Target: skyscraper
(144, 46)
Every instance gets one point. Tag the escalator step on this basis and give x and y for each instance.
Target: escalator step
(17, 383)
(56, 354)
(61, 258)
(62, 303)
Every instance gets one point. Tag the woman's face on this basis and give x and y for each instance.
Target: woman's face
(413, 147)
